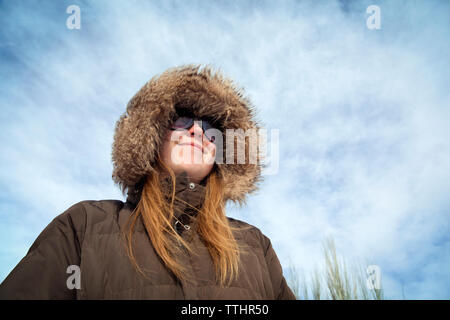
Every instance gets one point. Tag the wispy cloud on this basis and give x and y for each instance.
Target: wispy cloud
(364, 148)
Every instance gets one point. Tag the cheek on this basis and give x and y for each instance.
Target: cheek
(168, 146)
(173, 137)
(210, 148)
(213, 151)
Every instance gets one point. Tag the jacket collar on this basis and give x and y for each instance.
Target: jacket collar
(185, 190)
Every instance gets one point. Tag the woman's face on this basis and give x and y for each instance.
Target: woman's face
(190, 151)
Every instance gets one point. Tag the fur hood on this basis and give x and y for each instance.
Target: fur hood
(139, 133)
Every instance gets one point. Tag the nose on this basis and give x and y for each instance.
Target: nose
(196, 129)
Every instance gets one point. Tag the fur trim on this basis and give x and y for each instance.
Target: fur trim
(139, 133)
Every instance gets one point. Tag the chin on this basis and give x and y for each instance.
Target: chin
(195, 170)
(191, 169)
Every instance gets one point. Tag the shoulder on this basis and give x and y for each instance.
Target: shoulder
(99, 208)
(92, 209)
(85, 214)
(251, 234)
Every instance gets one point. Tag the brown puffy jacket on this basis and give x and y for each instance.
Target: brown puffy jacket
(88, 235)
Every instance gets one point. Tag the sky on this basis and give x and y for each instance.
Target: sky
(362, 116)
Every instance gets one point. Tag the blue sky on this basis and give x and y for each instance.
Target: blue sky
(363, 119)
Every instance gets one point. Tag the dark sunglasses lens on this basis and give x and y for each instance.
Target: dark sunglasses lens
(209, 130)
(206, 125)
(182, 123)
(186, 123)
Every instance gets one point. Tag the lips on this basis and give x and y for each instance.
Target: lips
(191, 144)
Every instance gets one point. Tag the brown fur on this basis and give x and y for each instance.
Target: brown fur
(139, 133)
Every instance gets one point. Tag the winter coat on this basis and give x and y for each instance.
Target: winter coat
(82, 253)
(88, 236)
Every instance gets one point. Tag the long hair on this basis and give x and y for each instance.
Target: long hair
(212, 226)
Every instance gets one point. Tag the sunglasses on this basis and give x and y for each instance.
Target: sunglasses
(185, 123)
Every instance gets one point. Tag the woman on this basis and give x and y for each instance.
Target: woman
(171, 238)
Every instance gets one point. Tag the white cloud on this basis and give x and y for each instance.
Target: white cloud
(364, 151)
